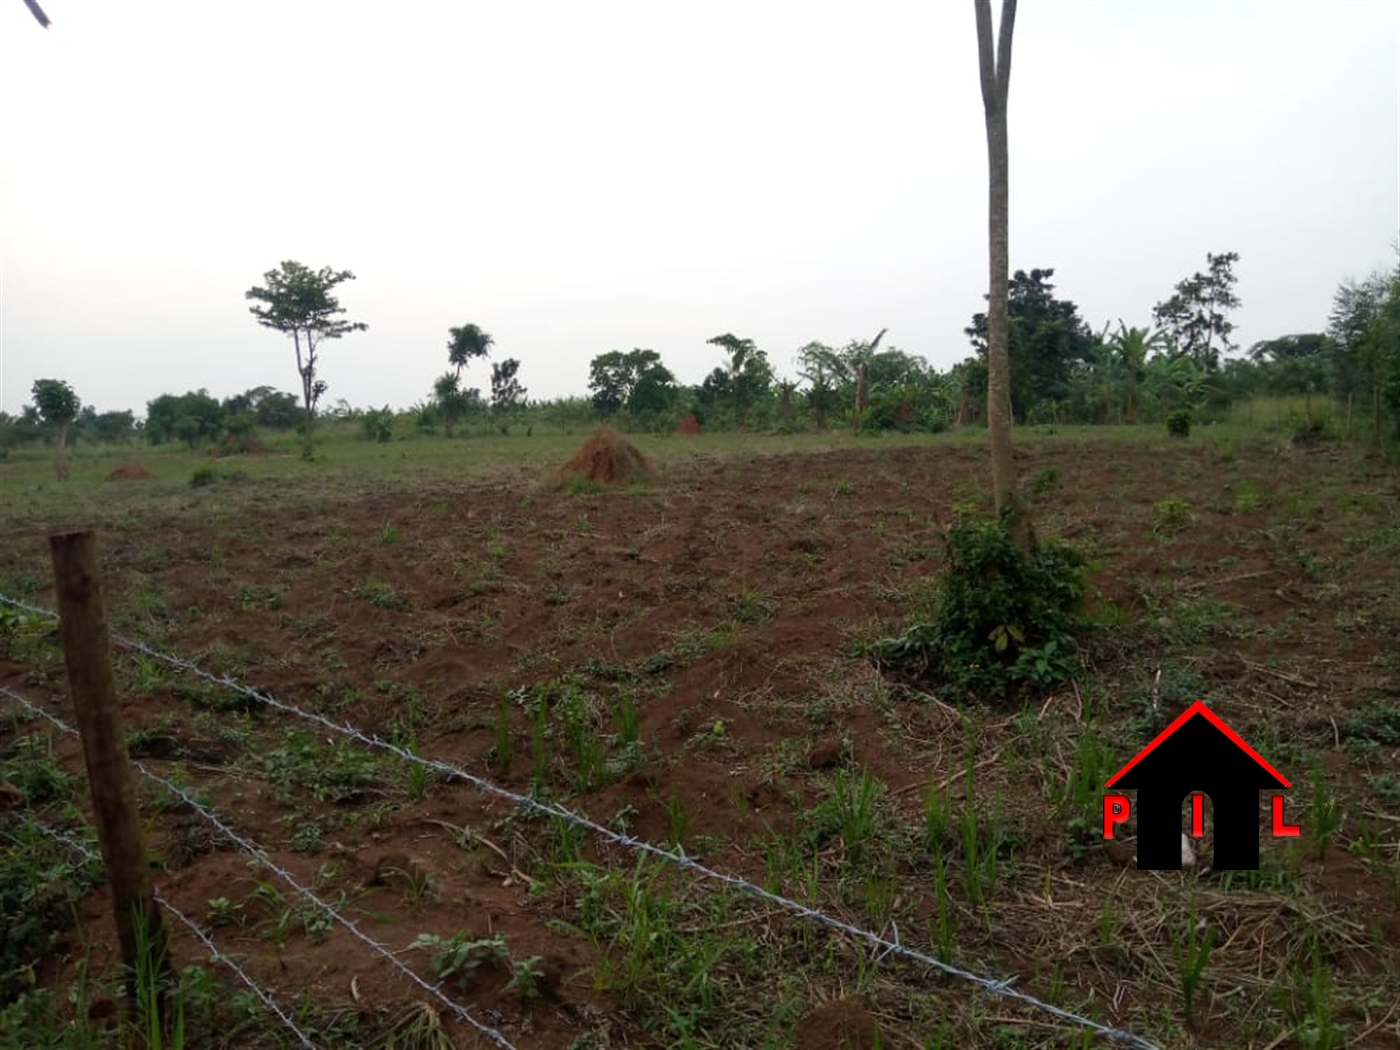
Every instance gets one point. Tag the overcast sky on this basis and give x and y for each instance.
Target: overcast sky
(582, 176)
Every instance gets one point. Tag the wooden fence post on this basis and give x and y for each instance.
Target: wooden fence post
(82, 621)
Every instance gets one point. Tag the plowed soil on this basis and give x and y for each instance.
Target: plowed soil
(503, 628)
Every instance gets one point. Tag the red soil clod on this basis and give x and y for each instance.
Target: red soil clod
(689, 426)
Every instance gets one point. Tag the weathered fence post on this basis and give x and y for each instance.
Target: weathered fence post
(82, 620)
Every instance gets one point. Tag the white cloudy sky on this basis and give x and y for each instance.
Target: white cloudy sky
(582, 176)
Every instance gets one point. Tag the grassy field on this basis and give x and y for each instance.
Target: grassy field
(680, 661)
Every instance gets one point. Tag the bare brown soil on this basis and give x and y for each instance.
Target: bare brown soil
(727, 598)
(689, 426)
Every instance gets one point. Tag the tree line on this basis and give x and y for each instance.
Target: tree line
(1061, 371)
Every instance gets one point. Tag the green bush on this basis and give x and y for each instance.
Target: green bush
(1179, 423)
(1003, 623)
(202, 476)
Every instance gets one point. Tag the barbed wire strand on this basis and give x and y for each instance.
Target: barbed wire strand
(1001, 988)
(253, 849)
(262, 993)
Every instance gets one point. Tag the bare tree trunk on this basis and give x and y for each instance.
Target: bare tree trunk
(996, 78)
(60, 450)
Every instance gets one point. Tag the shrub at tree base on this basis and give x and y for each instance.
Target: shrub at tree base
(1004, 622)
(689, 426)
(132, 471)
(607, 459)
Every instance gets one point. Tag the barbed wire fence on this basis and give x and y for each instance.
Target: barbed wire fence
(1002, 988)
(259, 854)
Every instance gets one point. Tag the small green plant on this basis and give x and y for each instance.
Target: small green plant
(458, 959)
(1192, 951)
(527, 978)
(381, 595)
(1170, 516)
(1324, 815)
(203, 476)
(1312, 1011)
(1179, 423)
(1247, 500)
(1004, 621)
(938, 817)
(503, 750)
(678, 819)
(388, 534)
(224, 912)
(1045, 481)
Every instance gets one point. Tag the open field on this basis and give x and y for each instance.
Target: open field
(680, 661)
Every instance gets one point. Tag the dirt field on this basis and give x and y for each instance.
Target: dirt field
(680, 662)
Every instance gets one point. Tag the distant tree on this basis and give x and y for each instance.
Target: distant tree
(747, 380)
(265, 407)
(507, 395)
(994, 63)
(826, 372)
(466, 343)
(450, 401)
(194, 418)
(276, 410)
(1365, 329)
(1046, 341)
(1196, 317)
(297, 301)
(114, 428)
(377, 424)
(635, 380)
(860, 355)
(58, 405)
(1123, 367)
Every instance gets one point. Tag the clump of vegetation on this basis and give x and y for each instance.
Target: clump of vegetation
(1179, 423)
(1004, 621)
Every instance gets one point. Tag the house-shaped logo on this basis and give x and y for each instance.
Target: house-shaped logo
(1197, 755)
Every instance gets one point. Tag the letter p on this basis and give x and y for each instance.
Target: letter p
(1115, 811)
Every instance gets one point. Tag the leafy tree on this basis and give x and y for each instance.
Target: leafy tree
(298, 301)
(264, 406)
(1046, 341)
(277, 410)
(113, 428)
(826, 372)
(1123, 367)
(377, 425)
(193, 418)
(507, 395)
(636, 381)
(1365, 329)
(1294, 364)
(655, 392)
(746, 381)
(466, 343)
(996, 83)
(58, 405)
(450, 399)
(1196, 317)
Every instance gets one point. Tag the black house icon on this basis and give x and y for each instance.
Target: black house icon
(1198, 752)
